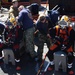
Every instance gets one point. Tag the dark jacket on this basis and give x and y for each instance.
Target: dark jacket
(25, 19)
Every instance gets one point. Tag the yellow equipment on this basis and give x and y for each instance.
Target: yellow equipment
(13, 21)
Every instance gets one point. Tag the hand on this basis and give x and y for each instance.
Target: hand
(17, 19)
(36, 32)
(48, 35)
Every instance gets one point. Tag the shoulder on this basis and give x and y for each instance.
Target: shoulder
(11, 6)
(2, 25)
(23, 12)
(11, 9)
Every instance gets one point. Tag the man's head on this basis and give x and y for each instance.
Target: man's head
(20, 8)
(43, 18)
(15, 3)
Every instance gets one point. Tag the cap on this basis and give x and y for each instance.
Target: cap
(14, 1)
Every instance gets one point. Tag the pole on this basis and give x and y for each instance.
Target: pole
(41, 66)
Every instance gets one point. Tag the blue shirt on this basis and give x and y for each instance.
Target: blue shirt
(25, 19)
(42, 27)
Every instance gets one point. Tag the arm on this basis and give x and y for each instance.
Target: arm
(11, 14)
(71, 38)
(20, 17)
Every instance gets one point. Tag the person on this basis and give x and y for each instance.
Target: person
(25, 19)
(42, 28)
(34, 9)
(13, 11)
(29, 12)
(2, 29)
(64, 37)
(54, 15)
(13, 36)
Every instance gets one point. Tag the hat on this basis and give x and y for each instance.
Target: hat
(14, 0)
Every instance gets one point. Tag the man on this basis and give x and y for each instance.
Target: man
(25, 19)
(2, 29)
(42, 28)
(64, 38)
(13, 11)
(13, 36)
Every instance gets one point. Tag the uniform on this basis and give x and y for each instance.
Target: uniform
(42, 28)
(64, 36)
(13, 36)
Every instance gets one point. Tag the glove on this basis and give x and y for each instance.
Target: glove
(58, 38)
(63, 47)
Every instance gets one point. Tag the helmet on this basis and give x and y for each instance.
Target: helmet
(65, 18)
(63, 24)
(9, 25)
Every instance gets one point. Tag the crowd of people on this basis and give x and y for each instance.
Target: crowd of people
(21, 25)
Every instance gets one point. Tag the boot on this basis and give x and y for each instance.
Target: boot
(51, 66)
(70, 71)
(18, 65)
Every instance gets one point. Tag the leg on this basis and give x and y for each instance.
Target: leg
(1, 57)
(29, 41)
(17, 59)
(50, 55)
(70, 62)
(42, 40)
(12, 57)
(40, 50)
(5, 56)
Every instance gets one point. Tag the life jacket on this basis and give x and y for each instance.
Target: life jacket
(63, 33)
